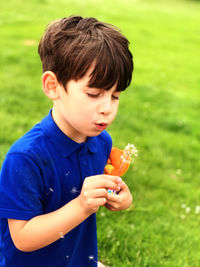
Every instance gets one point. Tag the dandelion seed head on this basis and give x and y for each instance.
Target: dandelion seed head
(130, 150)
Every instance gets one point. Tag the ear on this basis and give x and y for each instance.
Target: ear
(50, 85)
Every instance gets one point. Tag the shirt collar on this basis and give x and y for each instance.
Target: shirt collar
(62, 143)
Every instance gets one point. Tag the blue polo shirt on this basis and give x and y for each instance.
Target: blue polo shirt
(43, 171)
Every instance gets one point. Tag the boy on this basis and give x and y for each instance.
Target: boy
(52, 180)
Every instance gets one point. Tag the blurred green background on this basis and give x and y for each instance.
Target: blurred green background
(159, 113)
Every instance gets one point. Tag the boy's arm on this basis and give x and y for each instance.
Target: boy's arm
(43, 230)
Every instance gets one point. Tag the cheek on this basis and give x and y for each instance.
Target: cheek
(115, 109)
(84, 114)
(114, 112)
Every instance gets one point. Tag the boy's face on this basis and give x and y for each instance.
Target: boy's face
(81, 111)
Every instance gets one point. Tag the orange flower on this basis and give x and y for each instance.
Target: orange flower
(117, 163)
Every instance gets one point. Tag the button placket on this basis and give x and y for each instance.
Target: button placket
(85, 166)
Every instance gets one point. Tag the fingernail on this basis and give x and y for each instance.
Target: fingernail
(119, 179)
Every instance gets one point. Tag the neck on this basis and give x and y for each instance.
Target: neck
(66, 128)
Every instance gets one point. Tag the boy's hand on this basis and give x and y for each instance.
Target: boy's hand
(120, 201)
(94, 192)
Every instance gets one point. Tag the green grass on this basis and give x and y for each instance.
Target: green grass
(159, 113)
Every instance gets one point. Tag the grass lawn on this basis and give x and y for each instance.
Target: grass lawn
(159, 113)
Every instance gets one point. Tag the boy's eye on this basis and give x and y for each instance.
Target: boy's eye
(115, 97)
(93, 95)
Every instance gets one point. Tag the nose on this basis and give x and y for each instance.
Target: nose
(105, 107)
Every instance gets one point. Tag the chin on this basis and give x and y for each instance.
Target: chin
(94, 134)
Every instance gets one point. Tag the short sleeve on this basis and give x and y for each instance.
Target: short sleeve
(21, 187)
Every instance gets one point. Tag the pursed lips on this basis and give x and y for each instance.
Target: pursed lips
(101, 125)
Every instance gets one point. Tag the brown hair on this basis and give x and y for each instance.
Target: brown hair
(70, 46)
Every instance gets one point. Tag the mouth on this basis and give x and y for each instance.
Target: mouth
(101, 126)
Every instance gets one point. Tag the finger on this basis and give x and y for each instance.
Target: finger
(124, 189)
(112, 198)
(94, 203)
(124, 186)
(103, 183)
(111, 206)
(96, 193)
(115, 179)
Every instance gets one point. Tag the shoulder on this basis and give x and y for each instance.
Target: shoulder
(28, 142)
(25, 154)
(28, 151)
